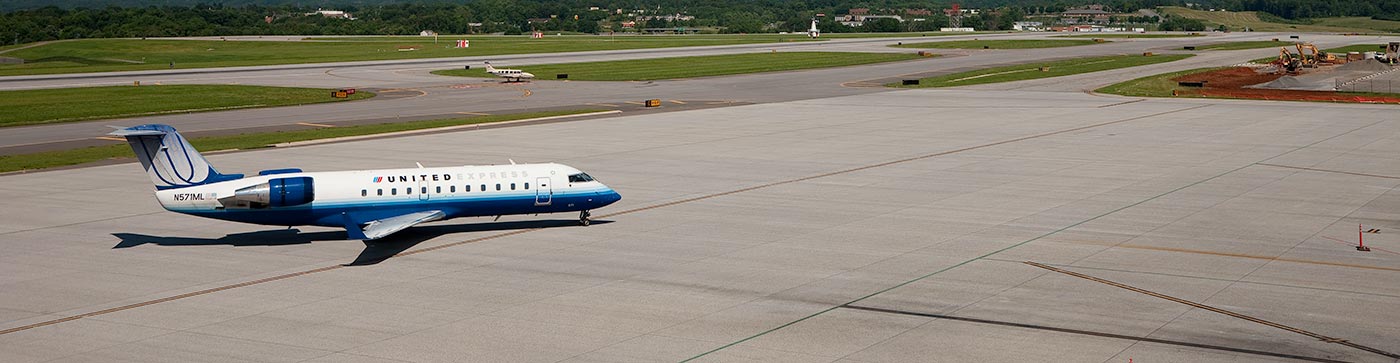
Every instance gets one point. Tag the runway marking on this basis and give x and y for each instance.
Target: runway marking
(421, 93)
(473, 113)
(1213, 309)
(314, 125)
(527, 93)
(601, 104)
(1331, 171)
(678, 102)
(1090, 333)
(639, 103)
(651, 207)
(109, 138)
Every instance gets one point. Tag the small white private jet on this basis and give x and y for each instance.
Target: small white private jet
(369, 204)
(509, 74)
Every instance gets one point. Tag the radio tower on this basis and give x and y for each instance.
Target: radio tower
(954, 16)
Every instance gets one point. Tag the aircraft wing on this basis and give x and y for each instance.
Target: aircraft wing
(377, 229)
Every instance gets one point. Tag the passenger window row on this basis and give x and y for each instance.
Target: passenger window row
(438, 189)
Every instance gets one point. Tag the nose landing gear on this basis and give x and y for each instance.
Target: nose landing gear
(583, 218)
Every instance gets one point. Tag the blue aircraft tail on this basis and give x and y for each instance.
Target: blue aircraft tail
(170, 161)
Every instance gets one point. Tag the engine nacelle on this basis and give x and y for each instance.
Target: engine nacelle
(280, 192)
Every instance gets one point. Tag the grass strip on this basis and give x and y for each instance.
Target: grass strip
(1160, 85)
(1245, 45)
(1135, 35)
(51, 159)
(1034, 70)
(698, 66)
(998, 44)
(58, 105)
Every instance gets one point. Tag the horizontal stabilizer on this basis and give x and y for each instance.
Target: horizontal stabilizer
(379, 228)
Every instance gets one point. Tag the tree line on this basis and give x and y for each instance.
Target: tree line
(285, 17)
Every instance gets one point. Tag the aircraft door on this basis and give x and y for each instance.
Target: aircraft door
(544, 194)
(423, 190)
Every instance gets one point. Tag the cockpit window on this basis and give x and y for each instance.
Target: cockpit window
(580, 178)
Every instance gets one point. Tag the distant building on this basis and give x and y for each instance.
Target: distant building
(668, 17)
(1027, 26)
(918, 12)
(870, 17)
(859, 11)
(427, 33)
(332, 14)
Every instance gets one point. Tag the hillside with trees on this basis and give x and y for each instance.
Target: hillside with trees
(25, 21)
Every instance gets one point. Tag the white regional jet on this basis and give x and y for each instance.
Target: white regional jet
(508, 74)
(369, 204)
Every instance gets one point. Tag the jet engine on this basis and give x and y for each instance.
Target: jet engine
(280, 192)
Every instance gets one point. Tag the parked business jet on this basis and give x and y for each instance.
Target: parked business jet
(508, 74)
(369, 204)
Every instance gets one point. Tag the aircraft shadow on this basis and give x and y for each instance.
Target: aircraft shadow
(375, 251)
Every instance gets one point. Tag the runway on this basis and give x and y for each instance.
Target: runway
(876, 226)
(407, 91)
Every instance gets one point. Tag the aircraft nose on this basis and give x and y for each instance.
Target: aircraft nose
(607, 197)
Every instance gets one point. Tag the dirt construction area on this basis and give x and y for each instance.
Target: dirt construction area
(1234, 82)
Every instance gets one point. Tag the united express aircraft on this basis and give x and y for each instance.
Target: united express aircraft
(369, 204)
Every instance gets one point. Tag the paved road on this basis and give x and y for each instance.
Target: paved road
(885, 227)
(410, 92)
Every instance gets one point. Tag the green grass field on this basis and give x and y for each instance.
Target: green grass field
(1363, 48)
(106, 55)
(698, 66)
(998, 44)
(1134, 35)
(1253, 20)
(51, 159)
(42, 106)
(1245, 45)
(1160, 85)
(1033, 71)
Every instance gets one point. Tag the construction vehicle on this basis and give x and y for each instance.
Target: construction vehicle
(1392, 52)
(1286, 62)
(1311, 56)
(1308, 57)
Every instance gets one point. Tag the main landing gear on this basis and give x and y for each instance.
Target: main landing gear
(583, 218)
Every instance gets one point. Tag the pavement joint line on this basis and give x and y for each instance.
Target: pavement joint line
(1123, 103)
(1213, 309)
(964, 262)
(473, 113)
(1248, 256)
(1205, 278)
(639, 209)
(1330, 171)
(1047, 234)
(1091, 333)
(1348, 243)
